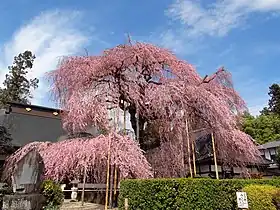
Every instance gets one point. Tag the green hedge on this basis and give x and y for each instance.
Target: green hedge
(192, 194)
(261, 196)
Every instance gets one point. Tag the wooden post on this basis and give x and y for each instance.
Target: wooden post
(115, 167)
(115, 181)
(111, 186)
(124, 118)
(84, 183)
(193, 152)
(137, 123)
(183, 153)
(215, 157)
(189, 149)
(108, 175)
(111, 197)
(183, 158)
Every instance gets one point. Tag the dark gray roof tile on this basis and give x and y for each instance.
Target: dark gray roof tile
(268, 145)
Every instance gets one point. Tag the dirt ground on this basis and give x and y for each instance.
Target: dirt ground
(78, 205)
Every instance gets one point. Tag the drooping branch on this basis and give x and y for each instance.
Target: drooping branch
(67, 159)
(161, 86)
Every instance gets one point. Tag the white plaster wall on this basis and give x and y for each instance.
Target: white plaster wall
(120, 122)
(237, 170)
(213, 168)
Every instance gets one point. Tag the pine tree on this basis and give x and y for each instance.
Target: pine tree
(266, 127)
(17, 87)
(274, 101)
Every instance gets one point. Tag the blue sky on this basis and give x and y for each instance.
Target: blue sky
(242, 35)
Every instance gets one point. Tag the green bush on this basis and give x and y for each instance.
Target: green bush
(276, 199)
(261, 196)
(187, 194)
(53, 194)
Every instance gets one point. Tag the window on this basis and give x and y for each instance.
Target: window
(273, 158)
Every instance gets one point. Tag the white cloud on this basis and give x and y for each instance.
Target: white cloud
(195, 20)
(219, 18)
(255, 110)
(258, 5)
(198, 19)
(49, 36)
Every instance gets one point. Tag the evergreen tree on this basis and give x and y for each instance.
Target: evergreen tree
(274, 101)
(263, 128)
(266, 127)
(17, 87)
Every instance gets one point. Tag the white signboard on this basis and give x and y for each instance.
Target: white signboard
(242, 201)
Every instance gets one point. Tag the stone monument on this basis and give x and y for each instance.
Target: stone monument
(26, 181)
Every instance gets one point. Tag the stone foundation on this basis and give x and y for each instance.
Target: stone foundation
(23, 202)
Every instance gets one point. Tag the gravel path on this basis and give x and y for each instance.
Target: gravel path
(78, 205)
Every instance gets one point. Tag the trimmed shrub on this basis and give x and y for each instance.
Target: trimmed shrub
(185, 193)
(53, 194)
(261, 196)
(276, 200)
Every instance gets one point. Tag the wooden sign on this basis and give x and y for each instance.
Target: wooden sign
(242, 201)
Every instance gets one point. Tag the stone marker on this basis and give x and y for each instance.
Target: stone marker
(26, 181)
(27, 174)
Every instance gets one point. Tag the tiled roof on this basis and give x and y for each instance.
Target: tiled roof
(268, 145)
(41, 108)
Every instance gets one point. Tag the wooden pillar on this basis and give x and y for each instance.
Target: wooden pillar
(111, 186)
(214, 155)
(84, 183)
(183, 158)
(189, 149)
(108, 175)
(115, 166)
(115, 183)
(124, 117)
(111, 199)
(137, 123)
(193, 152)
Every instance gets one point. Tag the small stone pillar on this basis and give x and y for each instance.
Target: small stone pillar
(74, 193)
(74, 189)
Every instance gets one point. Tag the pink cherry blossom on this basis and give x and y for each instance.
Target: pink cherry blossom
(67, 159)
(165, 91)
(138, 74)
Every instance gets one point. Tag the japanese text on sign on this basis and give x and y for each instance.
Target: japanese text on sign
(242, 201)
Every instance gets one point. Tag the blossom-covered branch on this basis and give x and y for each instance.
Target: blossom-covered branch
(164, 91)
(67, 159)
